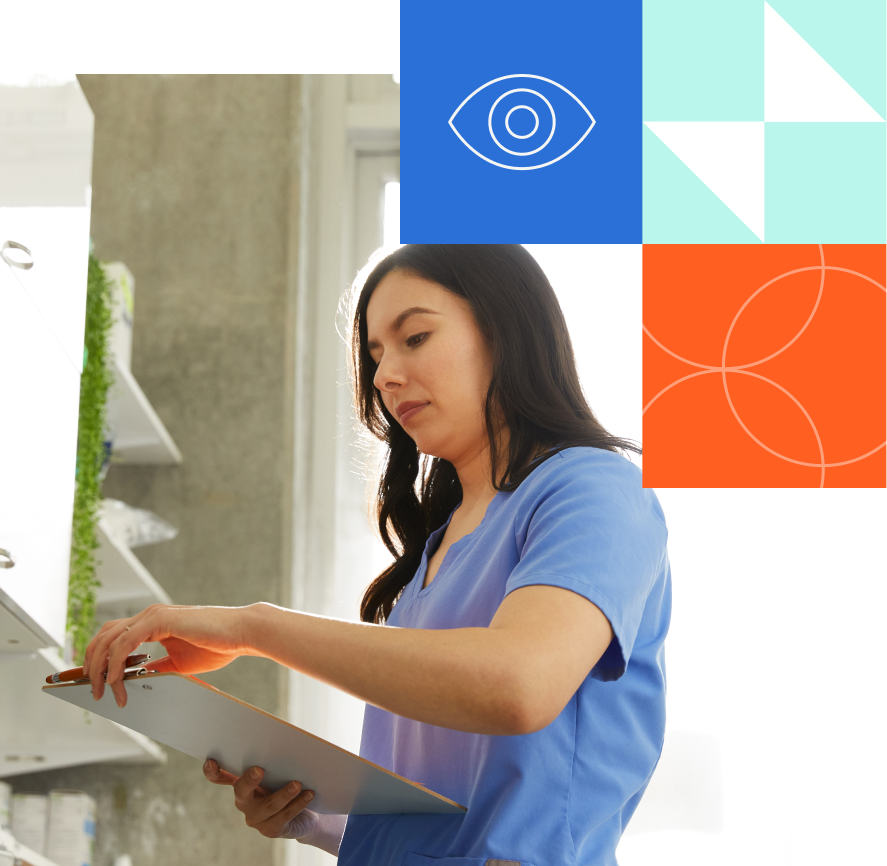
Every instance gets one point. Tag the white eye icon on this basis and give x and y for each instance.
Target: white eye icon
(522, 122)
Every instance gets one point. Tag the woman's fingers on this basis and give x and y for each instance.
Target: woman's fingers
(118, 689)
(128, 636)
(262, 809)
(246, 785)
(268, 813)
(275, 826)
(90, 650)
(95, 658)
(110, 649)
(98, 655)
(215, 774)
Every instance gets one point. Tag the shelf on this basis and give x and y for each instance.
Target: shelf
(127, 587)
(20, 633)
(126, 583)
(39, 733)
(139, 434)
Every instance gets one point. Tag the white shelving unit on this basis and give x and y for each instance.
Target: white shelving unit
(140, 438)
(126, 583)
(44, 213)
(39, 733)
(45, 163)
(127, 586)
(139, 434)
(20, 632)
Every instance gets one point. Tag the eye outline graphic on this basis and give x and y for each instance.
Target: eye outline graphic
(490, 122)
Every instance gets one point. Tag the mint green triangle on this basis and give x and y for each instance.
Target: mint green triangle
(849, 36)
(679, 208)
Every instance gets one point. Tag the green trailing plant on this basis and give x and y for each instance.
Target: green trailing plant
(91, 456)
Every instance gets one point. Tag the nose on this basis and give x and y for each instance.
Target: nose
(389, 375)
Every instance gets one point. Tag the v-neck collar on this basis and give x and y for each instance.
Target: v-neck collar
(455, 548)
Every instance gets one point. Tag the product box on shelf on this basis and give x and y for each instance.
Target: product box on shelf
(5, 806)
(29, 820)
(7, 848)
(71, 822)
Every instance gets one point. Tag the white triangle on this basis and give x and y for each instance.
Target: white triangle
(727, 156)
(799, 86)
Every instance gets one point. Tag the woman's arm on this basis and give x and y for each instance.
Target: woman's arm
(511, 678)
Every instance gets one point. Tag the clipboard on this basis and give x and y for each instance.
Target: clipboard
(200, 720)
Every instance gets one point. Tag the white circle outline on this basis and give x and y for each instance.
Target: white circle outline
(522, 152)
(511, 132)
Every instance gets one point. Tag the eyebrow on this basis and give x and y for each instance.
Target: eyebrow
(398, 322)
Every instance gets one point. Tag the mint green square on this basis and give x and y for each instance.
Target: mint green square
(825, 183)
(703, 60)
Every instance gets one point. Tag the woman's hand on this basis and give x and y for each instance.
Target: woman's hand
(198, 639)
(278, 815)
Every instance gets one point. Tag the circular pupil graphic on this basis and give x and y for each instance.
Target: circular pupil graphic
(521, 121)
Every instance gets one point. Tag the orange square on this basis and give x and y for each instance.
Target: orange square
(764, 366)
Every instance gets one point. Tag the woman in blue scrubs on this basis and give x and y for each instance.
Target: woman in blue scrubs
(511, 657)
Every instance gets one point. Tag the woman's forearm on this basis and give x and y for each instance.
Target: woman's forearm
(512, 677)
(463, 678)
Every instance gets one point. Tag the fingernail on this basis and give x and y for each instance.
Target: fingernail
(254, 772)
(309, 795)
(292, 787)
(207, 766)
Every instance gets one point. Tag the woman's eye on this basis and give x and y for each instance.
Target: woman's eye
(416, 339)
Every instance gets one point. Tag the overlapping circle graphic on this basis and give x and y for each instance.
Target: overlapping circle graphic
(723, 369)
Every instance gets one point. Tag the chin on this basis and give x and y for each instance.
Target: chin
(431, 447)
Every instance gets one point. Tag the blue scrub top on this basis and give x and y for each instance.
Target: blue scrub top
(563, 795)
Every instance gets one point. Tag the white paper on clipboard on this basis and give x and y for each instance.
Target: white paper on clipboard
(199, 720)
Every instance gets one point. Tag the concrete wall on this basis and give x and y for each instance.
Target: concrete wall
(195, 188)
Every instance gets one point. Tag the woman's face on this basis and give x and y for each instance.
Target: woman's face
(434, 367)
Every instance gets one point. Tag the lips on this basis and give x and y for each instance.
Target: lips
(409, 408)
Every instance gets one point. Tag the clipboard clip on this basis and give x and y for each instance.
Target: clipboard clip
(128, 674)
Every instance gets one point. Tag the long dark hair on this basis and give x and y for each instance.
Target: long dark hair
(534, 392)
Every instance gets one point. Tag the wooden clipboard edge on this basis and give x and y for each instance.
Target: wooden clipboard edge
(204, 685)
